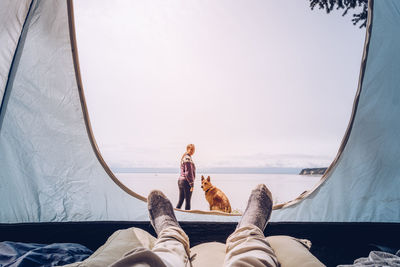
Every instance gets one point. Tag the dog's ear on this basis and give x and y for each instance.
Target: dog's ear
(208, 178)
(202, 177)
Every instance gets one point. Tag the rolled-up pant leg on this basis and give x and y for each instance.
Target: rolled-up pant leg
(247, 246)
(170, 250)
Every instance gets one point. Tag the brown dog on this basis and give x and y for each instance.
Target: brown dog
(215, 197)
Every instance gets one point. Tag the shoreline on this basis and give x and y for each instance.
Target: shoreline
(237, 187)
(216, 170)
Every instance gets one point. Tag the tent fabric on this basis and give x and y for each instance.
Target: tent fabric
(12, 17)
(363, 186)
(51, 169)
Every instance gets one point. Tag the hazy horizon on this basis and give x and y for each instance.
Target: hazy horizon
(213, 170)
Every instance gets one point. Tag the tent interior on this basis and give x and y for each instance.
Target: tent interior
(56, 187)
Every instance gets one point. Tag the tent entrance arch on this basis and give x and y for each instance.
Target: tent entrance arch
(52, 183)
(230, 119)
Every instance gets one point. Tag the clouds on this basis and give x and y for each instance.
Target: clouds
(234, 78)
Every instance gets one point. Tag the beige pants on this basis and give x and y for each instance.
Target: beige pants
(245, 247)
(170, 250)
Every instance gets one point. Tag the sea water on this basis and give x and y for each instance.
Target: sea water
(237, 187)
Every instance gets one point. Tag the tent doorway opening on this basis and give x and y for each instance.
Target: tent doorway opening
(261, 95)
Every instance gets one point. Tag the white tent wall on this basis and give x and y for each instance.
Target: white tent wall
(49, 170)
(363, 185)
(12, 17)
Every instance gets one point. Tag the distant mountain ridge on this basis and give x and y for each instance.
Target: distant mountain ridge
(244, 170)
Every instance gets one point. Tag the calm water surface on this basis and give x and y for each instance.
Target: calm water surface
(237, 187)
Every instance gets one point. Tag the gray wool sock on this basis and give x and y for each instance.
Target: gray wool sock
(161, 212)
(259, 208)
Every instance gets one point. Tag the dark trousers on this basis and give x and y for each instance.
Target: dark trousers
(184, 194)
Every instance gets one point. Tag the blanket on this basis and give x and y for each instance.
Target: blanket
(377, 258)
(14, 254)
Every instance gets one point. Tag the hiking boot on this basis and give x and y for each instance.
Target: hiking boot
(259, 208)
(161, 212)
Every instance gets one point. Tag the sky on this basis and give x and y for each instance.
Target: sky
(260, 83)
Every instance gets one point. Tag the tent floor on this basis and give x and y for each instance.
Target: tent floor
(332, 243)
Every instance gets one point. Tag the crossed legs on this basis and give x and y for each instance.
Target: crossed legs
(246, 246)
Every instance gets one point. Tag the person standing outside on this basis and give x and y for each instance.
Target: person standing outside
(186, 178)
